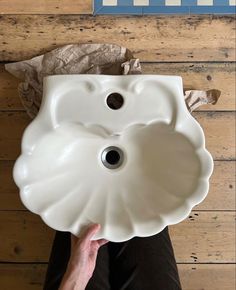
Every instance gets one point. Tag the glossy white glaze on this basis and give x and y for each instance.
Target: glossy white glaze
(164, 174)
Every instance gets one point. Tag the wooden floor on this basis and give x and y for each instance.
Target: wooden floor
(201, 50)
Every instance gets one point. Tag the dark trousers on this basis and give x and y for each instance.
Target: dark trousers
(138, 264)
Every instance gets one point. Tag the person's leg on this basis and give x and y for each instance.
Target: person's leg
(59, 258)
(144, 264)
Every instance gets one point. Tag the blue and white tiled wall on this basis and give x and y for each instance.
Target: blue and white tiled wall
(164, 6)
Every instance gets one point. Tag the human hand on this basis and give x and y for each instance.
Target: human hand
(83, 259)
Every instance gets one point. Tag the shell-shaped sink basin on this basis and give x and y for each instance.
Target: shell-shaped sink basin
(122, 151)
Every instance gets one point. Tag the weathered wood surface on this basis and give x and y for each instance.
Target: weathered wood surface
(22, 276)
(159, 38)
(204, 237)
(46, 7)
(26, 237)
(207, 277)
(220, 197)
(202, 76)
(219, 128)
(193, 277)
(201, 50)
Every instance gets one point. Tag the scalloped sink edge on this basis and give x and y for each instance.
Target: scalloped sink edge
(164, 174)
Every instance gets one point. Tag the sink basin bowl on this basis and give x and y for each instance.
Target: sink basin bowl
(122, 151)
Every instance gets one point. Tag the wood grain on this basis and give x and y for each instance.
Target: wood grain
(201, 76)
(220, 197)
(46, 7)
(204, 237)
(199, 48)
(222, 188)
(150, 38)
(12, 125)
(9, 98)
(219, 129)
(22, 276)
(205, 277)
(26, 237)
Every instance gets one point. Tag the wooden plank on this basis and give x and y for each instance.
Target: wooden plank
(220, 197)
(207, 277)
(219, 129)
(28, 238)
(150, 38)
(204, 237)
(193, 277)
(46, 7)
(222, 188)
(12, 126)
(9, 98)
(201, 76)
(22, 276)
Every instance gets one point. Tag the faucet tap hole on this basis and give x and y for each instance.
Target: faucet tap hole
(115, 101)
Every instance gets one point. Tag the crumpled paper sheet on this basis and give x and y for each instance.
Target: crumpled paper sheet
(107, 59)
(195, 99)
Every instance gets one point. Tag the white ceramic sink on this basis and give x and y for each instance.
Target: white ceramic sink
(122, 151)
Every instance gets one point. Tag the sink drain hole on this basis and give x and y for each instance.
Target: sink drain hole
(115, 101)
(112, 157)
